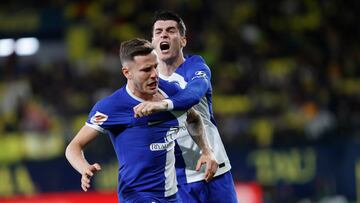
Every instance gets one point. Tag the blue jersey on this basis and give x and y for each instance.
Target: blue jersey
(194, 77)
(144, 146)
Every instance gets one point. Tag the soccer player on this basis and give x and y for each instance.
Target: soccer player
(192, 73)
(144, 146)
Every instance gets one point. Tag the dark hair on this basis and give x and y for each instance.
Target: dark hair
(134, 47)
(168, 15)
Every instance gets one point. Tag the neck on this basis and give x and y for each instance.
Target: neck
(169, 66)
(157, 96)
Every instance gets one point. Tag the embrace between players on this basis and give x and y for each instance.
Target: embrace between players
(161, 124)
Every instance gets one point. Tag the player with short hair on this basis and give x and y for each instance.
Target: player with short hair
(193, 75)
(144, 146)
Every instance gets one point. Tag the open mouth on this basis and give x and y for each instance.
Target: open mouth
(152, 84)
(164, 46)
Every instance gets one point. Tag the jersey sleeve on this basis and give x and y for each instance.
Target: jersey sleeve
(105, 115)
(170, 87)
(198, 76)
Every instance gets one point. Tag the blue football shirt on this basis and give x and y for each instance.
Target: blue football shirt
(194, 77)
(144, 146)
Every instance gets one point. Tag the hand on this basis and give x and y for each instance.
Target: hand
(149, 107)
(207, 158)
(87, 174)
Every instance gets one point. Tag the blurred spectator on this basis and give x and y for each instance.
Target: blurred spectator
(285, 73)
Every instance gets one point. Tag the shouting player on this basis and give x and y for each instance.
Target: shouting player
(144, 146)
(193, 75)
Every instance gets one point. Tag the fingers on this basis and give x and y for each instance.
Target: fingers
(141, 110)
(85, 182)
(211, 168)
(85, 179)
(137, 110)
(97, 166)
(89, 172)
(86, 176)
(149, 107)
(208, 172)
(198, 165)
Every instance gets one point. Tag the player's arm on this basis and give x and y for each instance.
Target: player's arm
(189, 96)
(196, 130)
(75, 155)
(198, 82)
(146, 108)
(183, 99)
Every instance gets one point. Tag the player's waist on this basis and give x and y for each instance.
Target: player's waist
(190, 176)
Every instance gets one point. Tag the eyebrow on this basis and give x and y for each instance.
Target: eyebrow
(148, 66)
(167, 28)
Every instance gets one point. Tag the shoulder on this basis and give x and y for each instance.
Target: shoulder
(195, 59)
(195, 63)
(116, 100)
(195, 66)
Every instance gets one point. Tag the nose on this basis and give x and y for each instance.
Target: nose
(164, 34)
(154, 73)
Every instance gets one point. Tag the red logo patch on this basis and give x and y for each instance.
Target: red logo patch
(98, 118)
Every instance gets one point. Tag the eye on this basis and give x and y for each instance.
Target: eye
(157, 32)
(145, 69)
(172, 30)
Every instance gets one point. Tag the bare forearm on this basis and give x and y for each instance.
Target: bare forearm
(149, 107)
(74, 154)
(196, 130)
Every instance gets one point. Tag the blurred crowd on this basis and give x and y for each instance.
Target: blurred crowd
(284, 72)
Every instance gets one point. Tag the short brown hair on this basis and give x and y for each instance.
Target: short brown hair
(134, 47)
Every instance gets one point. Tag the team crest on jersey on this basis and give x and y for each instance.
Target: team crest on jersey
(98, 118)
(199, 74)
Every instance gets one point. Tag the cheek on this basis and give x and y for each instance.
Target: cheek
(155, 40)
(177, 42)
(177, 45)
(140, 78)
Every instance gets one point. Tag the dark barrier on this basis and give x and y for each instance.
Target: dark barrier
(285, 174)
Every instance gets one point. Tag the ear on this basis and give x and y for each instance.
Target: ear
(183, 41)
(126, 72)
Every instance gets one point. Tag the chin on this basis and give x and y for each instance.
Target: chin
(152, 92)
(164, 56)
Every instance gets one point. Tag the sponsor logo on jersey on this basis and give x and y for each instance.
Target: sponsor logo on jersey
(199, 74)
(171, 134)
(154, 122)
(98, 118)
(160, 146)
(168, 143)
